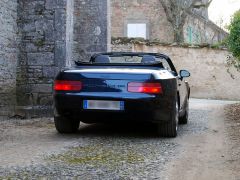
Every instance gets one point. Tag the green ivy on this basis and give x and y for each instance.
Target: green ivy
(233, 41)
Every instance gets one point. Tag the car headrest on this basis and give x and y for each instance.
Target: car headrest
(148, 59)
(102, 59)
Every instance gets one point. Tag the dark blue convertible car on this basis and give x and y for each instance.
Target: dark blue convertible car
(122, 86)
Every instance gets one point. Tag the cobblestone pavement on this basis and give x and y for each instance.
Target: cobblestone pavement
(32, 149)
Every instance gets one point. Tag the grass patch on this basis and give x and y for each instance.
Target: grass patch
(98, 156)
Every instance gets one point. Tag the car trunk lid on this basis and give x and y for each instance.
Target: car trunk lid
(109, 79)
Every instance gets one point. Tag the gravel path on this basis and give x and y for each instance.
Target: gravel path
(31, 149)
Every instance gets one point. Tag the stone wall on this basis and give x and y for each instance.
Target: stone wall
(8, 55)
(208, 67)
(197, 29)
(150, 12)
(202, 11)
(91, 29)
(53, 34)
(42, 24)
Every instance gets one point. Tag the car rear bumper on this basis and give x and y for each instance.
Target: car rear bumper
(138, 107)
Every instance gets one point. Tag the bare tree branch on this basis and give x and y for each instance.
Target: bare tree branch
(176, 12)
(168, 10)
(206, 5)
(209, 3)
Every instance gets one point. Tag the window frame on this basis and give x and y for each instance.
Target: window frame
(136, 21)
(142, 34)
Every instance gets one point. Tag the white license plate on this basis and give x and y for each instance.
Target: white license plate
(103, 105)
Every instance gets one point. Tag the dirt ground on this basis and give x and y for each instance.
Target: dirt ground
(207, 148)
(214, 154)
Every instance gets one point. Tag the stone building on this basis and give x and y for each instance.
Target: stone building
(147, 19)
(40, 37)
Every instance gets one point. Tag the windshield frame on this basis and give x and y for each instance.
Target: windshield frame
(119, 54)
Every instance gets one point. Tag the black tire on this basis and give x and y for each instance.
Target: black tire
(170, 128)
(184, 118)
(66, 126)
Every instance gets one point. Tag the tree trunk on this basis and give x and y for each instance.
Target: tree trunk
(176, 12)
(178, 35)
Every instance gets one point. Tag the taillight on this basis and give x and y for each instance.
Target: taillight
(149, 88)
(60, 85)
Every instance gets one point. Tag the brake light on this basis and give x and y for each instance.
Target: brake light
(149, 88)
(60, 85)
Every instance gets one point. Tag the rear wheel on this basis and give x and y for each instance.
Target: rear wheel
(170, 128)
(184, 118)
(65, 125)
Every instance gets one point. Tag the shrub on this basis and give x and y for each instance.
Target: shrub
(233, 41)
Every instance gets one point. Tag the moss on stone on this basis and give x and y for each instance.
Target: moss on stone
(157, 42)
(39, 43)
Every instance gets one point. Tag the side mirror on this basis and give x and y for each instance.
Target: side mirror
(184, 74)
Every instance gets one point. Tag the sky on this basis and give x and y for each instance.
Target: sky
(220, 11)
